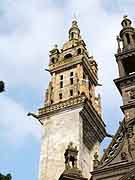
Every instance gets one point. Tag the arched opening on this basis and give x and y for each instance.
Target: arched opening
(60, 96)
(71, 92)
(128, 38)
(72, 35)
(53, 60)
(67, 56)
(83, 93)
(61, 84)
(79, 51)
(129, 65)
(125, 23)
(133, 38)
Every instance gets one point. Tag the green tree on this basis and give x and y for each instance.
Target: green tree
(2, 86)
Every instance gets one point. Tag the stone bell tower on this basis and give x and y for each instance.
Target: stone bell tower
(126, 82)
(71, 111)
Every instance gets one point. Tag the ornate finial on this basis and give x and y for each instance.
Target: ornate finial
(74, 31)
(96, 156)
(74, 23)
(74, 17)
(125, 16)
(71, 156)
(96, 160)
(126, 21)
(118, 41)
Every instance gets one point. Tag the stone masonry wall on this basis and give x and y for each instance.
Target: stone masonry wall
(59, 131)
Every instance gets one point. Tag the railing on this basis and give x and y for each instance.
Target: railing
(61, 105)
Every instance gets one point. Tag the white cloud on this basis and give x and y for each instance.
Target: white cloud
(24, 50)
(14, 124)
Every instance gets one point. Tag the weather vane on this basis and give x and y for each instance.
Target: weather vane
(125, 16)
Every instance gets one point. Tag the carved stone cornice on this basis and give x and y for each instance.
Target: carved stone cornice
(125, 54)
(72, 174)
(93, 125)
(61, 106)
(128, 106)
(125, 81)
(114, 170)
(129, 176)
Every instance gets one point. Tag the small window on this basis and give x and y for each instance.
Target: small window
(61, 77)
(51, 101)
(71, 73)
(133, 37)
(89, 86)
(72, 35)
(84, 76)
(128, 38)
(79, 51)
(71, 81)
(71, 92)
(67, 56)
(61, 84)
(60, 95)
(53, 60)
(83, 93)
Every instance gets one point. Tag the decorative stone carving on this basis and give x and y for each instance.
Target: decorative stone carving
(96, 160)
(71, 156)
(62, 105)
(124, 156)
(132, 93)
(132, 177)
(71, 171)
(118, 41)
(130, 131)
(46, 96)
(127, 115)
(114, 146)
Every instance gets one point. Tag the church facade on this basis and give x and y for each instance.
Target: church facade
(118, 161)
(71, 114)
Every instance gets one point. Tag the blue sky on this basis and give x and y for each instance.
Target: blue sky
(28, 30)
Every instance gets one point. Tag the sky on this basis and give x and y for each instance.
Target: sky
(28, 30)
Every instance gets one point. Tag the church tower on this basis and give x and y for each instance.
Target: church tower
(118, 161)
(126, 81)
(71, 111)
(126, 64)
